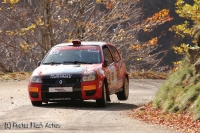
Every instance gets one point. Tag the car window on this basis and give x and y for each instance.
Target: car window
(68, 54)
(107, 55)
(115, 53)
(91, 56)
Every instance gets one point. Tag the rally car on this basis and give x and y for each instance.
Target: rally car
(79, 70)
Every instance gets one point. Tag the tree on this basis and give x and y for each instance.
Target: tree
(29, 28)
(186, 29)
(180, 93)
(166, 38)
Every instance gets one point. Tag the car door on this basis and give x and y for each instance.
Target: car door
(110, 70)
(118, 65)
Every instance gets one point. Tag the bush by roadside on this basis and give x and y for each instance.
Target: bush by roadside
(14, 76)
(180, 92)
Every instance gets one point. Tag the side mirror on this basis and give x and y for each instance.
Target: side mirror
(106, 62)
(38, 64)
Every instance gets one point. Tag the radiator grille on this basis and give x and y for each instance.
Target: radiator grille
(54, 81)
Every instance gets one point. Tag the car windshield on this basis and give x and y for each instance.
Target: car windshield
(73, 55)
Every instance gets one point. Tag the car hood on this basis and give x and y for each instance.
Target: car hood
(46, 70)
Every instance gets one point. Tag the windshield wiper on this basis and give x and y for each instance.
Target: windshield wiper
(52, 63)
(76, 62)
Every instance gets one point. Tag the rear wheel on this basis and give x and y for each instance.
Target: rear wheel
(36, 103)
(123, 95)
(103, 101)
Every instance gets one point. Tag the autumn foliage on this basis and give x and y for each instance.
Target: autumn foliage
(182, 122)
(180, 92)
(29, 29)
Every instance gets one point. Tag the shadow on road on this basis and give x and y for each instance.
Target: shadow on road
(89, 105)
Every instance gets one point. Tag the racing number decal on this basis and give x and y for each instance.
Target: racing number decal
(112, 76)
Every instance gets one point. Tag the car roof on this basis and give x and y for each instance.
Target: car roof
(84, 43)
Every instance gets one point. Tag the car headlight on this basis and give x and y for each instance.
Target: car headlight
(36, 79)
(90, 76)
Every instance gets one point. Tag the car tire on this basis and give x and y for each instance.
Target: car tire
(103, 101)
(36, 103)
(123, 95)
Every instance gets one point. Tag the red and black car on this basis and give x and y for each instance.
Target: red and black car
(79, 70)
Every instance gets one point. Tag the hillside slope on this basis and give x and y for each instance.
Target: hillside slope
(181, 91)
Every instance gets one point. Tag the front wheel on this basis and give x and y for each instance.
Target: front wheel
(103, 101)
(123, 95)
(36, 103)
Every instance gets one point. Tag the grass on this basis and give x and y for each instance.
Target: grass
(196, 108)
(180, 92)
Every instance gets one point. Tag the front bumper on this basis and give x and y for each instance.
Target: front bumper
(81, 90)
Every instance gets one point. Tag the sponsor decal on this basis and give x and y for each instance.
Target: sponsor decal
(55, 76)
(60, 89)
(76, 48)
(55, 99)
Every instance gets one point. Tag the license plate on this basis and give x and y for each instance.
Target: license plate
(60, 89)
(59, 99)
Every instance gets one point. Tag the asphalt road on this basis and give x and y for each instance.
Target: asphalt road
(18, 115)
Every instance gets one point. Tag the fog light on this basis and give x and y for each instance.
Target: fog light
(89, 87)
(33, 89)
(34, 94)
(90, 93)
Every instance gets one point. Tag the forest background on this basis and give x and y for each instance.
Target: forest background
(141, 29)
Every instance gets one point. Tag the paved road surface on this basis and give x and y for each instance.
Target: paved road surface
(17, 113)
